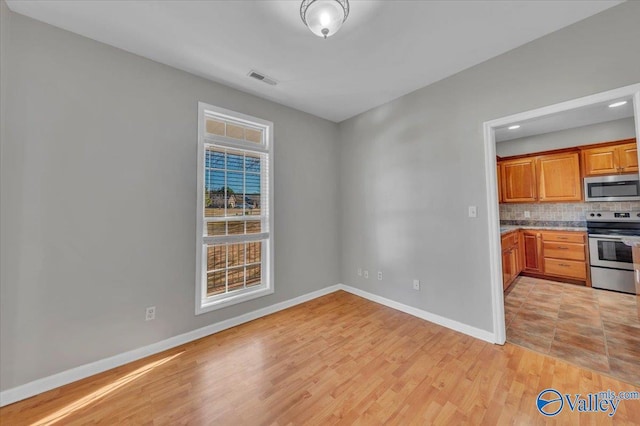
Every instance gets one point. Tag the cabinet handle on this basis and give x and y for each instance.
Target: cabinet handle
(564, 265)
(563, 238)
(562, 248)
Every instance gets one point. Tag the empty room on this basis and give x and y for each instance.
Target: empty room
(311, 212)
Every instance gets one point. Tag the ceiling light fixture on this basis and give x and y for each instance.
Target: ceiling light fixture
(324, 17)
(515, 126)
(617, 104)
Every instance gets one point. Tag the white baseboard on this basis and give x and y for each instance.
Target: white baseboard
(36, 387)
(487, 336)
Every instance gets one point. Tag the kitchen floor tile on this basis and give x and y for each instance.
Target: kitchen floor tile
(593, 328)
(625, 370)
(584, 358)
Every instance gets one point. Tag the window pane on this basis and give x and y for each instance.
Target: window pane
(236, 254)
(254, 227)
(253, 135)
(216, 257)
(254, 252)
(215, 127)
(216, 229)
(252, 163)
(215, 198)
(254, 275)
(236, 227)
(235, 161)
(236, 278)
(214, 159)
(216, 282)
(235, 132)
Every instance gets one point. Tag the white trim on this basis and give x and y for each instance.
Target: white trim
(478, 333)
(493, 217)
(36, 387)
(203, 303)
(495, 257)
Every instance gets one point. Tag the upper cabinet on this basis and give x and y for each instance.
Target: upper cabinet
(610, 160)
(519, 180)
(559, 177)
(545, 178)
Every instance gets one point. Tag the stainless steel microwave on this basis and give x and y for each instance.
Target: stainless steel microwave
(612, 188)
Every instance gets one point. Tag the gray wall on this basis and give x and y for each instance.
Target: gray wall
(585, 135)
(410, 168)
(98, 184)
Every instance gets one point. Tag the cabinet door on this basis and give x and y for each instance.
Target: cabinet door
(600, 161)
(499, 179)
(519, 180)
(628, 157)
(559, 177)
(532, 251)
(506, 268)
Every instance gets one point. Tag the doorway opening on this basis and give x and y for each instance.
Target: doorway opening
(544, 117)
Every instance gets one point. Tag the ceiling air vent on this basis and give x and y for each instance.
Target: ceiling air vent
(262, 77)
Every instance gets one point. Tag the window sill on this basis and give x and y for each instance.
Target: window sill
(208, 306)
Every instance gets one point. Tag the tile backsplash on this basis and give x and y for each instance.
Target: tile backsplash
(564, 212)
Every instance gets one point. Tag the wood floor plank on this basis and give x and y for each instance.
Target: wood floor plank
(339, 359)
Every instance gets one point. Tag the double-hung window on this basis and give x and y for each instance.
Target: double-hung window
(234, 227)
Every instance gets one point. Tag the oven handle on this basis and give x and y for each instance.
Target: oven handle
(605, 237)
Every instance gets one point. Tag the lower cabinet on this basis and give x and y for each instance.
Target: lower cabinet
(511, 258)
(556, 254)
(532, 245)
(544, 253)
(565, 254)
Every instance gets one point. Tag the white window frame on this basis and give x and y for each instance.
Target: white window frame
(206, 303)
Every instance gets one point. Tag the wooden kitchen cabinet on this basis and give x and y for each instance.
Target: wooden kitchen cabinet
(558, 177)
(565, 255)
(499, 181)
(610, 159)
(511, 258)
(556, 255)
(519, 183)
(532, 247)
(543, 178)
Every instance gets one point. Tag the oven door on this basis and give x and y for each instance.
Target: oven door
(609, 251)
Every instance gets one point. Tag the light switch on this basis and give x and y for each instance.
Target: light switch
(473, 211)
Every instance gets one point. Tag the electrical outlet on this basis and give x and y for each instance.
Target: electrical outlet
(150, 313)
(379, 275)
(416, 284)
(527, 214)
(366, 274)
(359, 272)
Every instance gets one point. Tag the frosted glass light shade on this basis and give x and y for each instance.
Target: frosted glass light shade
(324, 17)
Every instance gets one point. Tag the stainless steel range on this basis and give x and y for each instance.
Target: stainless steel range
(611, 259)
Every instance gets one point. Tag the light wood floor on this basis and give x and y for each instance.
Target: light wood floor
(339, 359)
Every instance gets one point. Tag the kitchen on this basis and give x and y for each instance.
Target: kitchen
(569, 199)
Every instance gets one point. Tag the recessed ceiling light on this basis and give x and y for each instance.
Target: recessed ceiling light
(617, 104)
(515, 126)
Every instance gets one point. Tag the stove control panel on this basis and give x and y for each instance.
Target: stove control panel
(613, 216)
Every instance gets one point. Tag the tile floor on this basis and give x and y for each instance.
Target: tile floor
(595, 329)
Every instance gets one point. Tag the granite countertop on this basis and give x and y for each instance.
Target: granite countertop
(505, 229)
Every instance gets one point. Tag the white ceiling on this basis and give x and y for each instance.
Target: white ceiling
(384, 50)
(592, 114)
